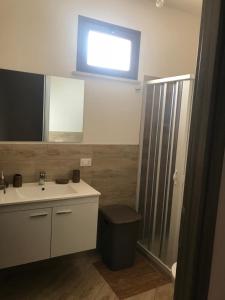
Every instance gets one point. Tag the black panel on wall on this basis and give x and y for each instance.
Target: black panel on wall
(21, 106)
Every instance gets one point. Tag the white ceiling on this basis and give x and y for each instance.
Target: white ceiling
(191, 6)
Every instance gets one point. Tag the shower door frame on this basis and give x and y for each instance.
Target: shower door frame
(187, 79)
(205, 159)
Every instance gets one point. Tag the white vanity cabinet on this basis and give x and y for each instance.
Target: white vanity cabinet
(74, 228)
(33, 230)
(25, 236)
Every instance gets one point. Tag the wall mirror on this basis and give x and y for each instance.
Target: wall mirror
(64, 106)
(36, 107)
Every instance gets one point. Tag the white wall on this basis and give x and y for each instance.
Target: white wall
(40, 36)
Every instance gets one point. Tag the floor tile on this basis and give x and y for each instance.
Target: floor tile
(164, 292)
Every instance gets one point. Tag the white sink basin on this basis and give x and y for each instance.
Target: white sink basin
(32, 192)
(49, 191)
(10, 195)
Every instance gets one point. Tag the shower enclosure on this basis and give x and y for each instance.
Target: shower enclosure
(166, 115)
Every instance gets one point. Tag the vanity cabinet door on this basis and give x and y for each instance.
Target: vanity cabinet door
(74, 228)
(25, 236)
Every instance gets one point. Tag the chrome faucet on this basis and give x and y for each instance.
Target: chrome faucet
(42, 178)
(3, 184)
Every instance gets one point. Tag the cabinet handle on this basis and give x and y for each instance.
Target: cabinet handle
(44, 214)
(63, 212)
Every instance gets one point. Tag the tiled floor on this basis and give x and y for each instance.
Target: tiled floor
(67, 278)
(161, 293)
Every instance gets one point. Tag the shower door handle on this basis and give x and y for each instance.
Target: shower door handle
(175, 177)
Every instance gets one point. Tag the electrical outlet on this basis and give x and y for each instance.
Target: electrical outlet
(86, 162)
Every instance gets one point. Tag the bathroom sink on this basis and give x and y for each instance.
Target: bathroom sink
(9, 196)
(50, 190)
(33, 192)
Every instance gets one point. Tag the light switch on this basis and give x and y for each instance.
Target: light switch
(86, 162)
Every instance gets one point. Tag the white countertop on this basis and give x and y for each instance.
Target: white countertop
(32, 192)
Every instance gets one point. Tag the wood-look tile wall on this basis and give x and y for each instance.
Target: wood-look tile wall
(113, 173)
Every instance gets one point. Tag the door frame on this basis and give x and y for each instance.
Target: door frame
(205, 159)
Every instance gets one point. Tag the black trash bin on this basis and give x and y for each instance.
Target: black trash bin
(118, 234)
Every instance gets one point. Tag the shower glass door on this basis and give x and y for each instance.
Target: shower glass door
(163, 107)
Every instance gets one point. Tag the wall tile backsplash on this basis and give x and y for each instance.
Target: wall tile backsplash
(113, 172)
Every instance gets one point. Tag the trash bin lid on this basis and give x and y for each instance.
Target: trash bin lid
(120, 214)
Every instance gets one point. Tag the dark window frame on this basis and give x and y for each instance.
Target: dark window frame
(86, 24)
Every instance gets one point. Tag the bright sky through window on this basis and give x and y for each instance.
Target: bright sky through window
(108, 51)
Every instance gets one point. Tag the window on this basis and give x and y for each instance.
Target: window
(107, 49)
